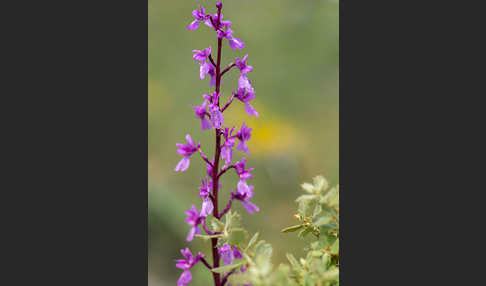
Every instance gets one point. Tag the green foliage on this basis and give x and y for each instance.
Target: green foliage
(318, 214)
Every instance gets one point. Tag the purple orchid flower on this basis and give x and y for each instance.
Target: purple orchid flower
(216, 116)
(186, 150)
(227, 149)
(205, 67)
(245, 96)
(243, 135)
(244, 82)
(215, 19)
(241, 171)
(244, 193)
(205, 192)
(186, 264)
(203, 55)
(201, 114)
(228, 253)
(234, 43)
(244, 69)
(194, 220)
(199, 15)
(215, 113)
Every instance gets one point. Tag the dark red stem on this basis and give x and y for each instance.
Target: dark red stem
(211, 60)
(227, 68)
(204, 157)
(206, 263)
(225, 278)
(223, 170)
(226, 209)
(214, 241)
(228, 103)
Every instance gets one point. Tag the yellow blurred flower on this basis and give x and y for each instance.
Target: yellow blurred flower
(271, 134)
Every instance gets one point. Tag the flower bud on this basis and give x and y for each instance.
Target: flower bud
(219, 5)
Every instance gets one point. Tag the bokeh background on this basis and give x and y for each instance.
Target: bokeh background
(293, 48)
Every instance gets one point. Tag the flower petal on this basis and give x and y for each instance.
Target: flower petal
(185, 278)
(249, 207)
(183, 164)
(250, 110)
(193, 26)
(205, 124)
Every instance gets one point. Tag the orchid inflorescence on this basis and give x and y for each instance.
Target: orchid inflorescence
(210, 114)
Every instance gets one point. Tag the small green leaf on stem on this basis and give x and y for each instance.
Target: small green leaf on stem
(292, 228)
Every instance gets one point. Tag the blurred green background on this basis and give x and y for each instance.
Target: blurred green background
(293, 48)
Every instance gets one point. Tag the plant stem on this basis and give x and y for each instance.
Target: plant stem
(206, 263)
(214, 241)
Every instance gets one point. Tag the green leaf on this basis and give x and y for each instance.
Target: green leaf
(335, 247)
(206, 237)
(295, 264)
(322, 220)
(320, 183)
(217, 225)
(308, 280)
(303, 206)
(227, 268)
(317, 210)
(292, 228)
(305, 232)
(308, 188)
(332, 274)
(252, 241)
(232, 220)
(306, 198)
(329, 226)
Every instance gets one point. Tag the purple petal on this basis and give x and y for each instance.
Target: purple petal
(195, 13)
(204, 70)
(209, 169)
(221, 34)
(182, 264)
(208, 23)
(226, 254)
(250, 110)
(193, 231)
(242, 147)
(190, 141)
(242, 188)
(227, 154)
(244, 82)
(205, 124)
(227, 23)
(237, 254)
(183, 164)
(236, 43)
(249, 207)
(207, 207)
(193, 26)
(185, 278)
(187, 254)
(246, 175)
(217, 117)
(207, 97)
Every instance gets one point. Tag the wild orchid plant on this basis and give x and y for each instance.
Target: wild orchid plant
(226, 238)
(247, 261)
